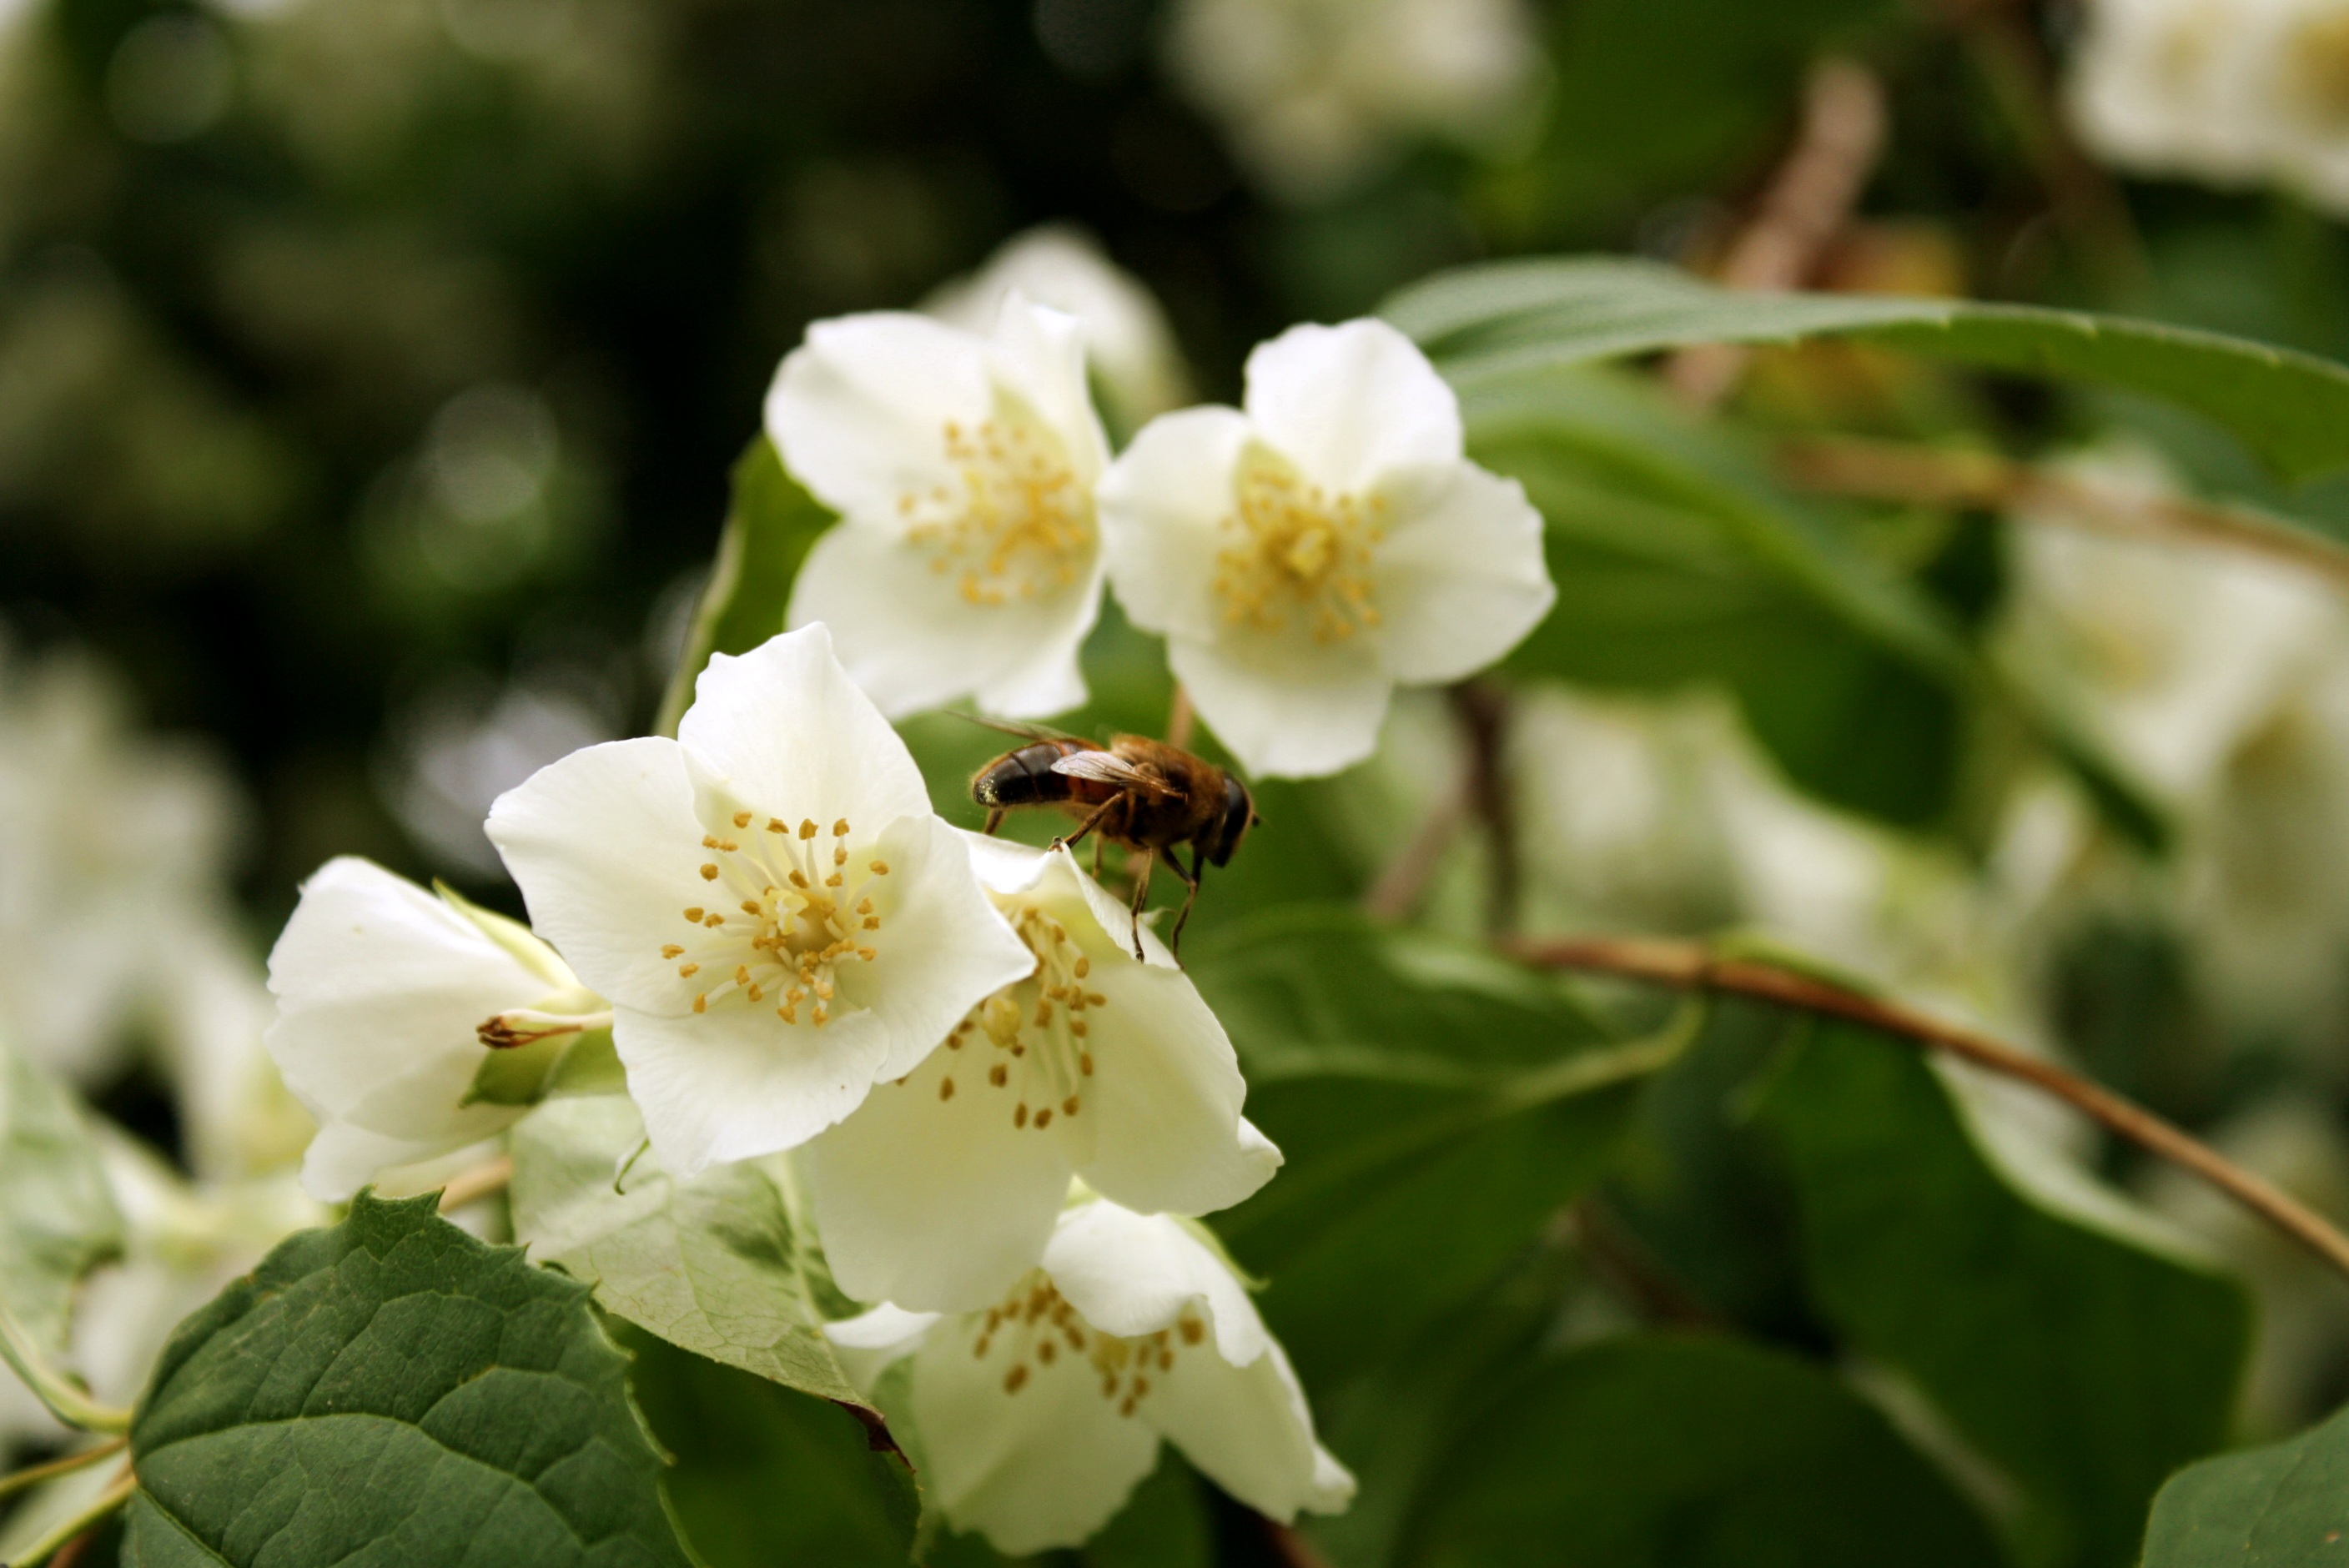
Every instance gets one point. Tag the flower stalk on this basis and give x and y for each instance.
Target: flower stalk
(65, 1400)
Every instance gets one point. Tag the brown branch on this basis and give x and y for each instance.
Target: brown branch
(1293, 1550)
(472, 1186)
(1807, 202)
(1688, 966)
(1926, 476)
(1483, 708)
(1403, 882)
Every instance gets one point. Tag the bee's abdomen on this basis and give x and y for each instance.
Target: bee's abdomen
(1024, 777)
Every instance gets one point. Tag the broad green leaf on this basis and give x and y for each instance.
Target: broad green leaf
(392, 1391)
(1435, 1106)
(1163, 1525)
(770, 524)
(2282, 1506)
(2083, 1362)
(1678, 559)
(57, 1217)
(716, 1266)
(765, 1475)
(1689, 1451)
(1504, 317)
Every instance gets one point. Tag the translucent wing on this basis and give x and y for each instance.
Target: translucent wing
(1024, 731)
(1105, 767)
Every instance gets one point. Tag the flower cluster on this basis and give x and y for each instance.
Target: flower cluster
(1001, 1103)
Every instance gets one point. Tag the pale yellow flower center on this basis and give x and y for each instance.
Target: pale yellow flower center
(786, 913)
(2316, 71)
(1031, 1040)
(1017, 523)
(1036, 1326)
(1295, 553)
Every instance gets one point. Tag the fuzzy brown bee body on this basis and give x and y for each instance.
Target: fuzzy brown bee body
(1141, 794)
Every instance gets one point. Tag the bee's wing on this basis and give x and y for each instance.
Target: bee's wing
(1105, 767)
(1024, 731)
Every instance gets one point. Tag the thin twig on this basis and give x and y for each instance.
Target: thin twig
(1807, 203)
(1403, 881)
(1483, 708)
(35, 1475)
(1929, 476)
(1622, 1264)
(1688, 966)
(64, 1397)
(472, 1186)
(1293, 1548)
(1181, 719)
(116, 1493)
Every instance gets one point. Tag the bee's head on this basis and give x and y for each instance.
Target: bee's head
(1239, 816)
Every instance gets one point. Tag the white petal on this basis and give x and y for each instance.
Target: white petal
(380, 987)
(1041, 1468)
(1247, 1429)
(1132, 1274)
(737, 1082)
(936, 1204)
(344, 1157)
(1460, 577)
(859, 411)
(1004, 866)
(1291, 712)
(1042, 354)
(1348, 403)
(1163, 1109)
(603, 844)
(910, 640)
(942, 948)
(886, 1327)
(1163, 503)
(788, 728)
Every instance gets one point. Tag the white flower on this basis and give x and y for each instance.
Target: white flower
(943, 1187)
(2228, 92)
(381, 992)
(1303, 557)
(113, 849)
(967, 561)
(1316, 94)
(1039, 1415)
(1128, 343)
(779, 918)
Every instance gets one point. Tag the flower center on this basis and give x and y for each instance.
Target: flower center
(796, 916)
(1022, 525)
(2316, 70)
(1037, 1046)
(1296, 549)
(1035, 1326)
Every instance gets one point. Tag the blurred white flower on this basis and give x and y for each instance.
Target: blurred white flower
(966, 562)
(113, 849)
(779, 918)
(1128, 343)
(1316, 94)
(942, 1189)
(1039, 1415)
(382, 991)
(237, 1118)
(2228, 91)
(456, 758)
(1306, 555)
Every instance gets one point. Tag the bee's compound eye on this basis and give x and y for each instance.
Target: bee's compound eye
(1239, 811)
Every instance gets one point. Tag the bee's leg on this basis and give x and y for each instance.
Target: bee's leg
(1087, 826)
(1097, 841)
(1190, 897)
(994, 821)
(1141, 893)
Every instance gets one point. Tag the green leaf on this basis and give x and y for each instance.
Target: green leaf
(769, 525)
(1435, 1106)
(57, 1217)
(1504, 317)
(2062, 1344)
(392, 1391)
(2282, 1506)
(716, 1266)
(1687, 1452)
(768, 1475)
(1164, 1524)
(1679, 558)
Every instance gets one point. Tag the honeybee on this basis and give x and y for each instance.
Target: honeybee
(1141, 794)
